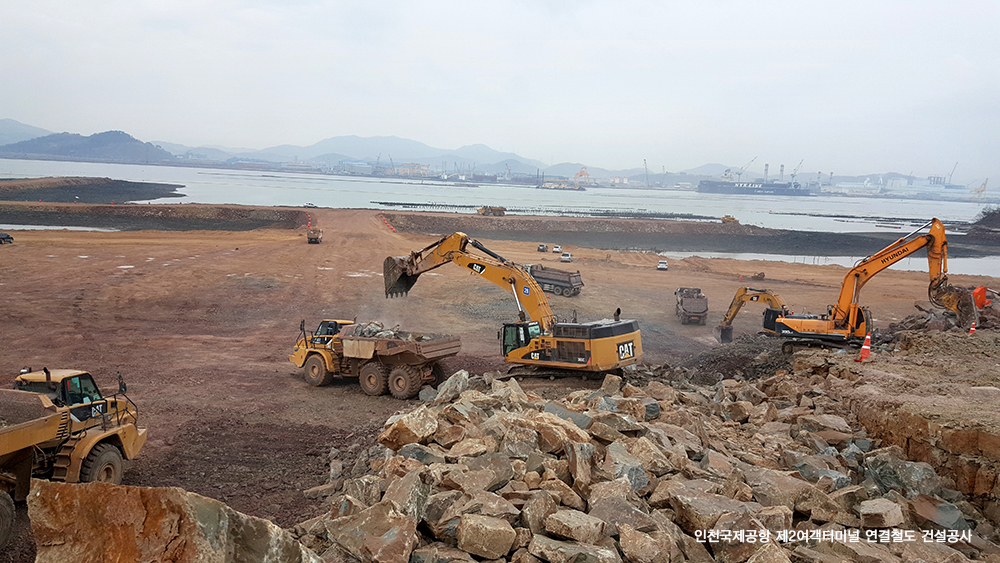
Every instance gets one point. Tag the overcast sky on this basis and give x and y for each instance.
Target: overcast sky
(849, 87)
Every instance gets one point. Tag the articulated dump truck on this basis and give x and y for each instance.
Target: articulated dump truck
(56, 425)
(383, 360)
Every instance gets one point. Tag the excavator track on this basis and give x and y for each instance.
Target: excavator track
(554, 373)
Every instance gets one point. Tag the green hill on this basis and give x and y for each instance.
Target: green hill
(111, 145)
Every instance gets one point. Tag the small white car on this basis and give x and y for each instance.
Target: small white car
(662, 265)
(566, 257)
(557, 249)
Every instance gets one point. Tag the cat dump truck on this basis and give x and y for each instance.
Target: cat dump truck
(383, 360)
(692, 305)
(491, 210)
(57, 425)
(314, 236)
(559, 282)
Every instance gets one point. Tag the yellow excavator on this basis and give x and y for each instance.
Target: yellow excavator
(847, 322)
(537, 339)
(748, 295)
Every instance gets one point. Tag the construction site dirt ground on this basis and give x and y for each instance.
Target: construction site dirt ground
(200, 323)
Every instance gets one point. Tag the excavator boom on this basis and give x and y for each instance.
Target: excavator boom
(745, 295)
(536, 339)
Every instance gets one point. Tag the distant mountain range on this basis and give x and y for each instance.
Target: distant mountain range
(24, 140)
(14, 132)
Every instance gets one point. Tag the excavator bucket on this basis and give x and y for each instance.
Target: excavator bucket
(397, 281)
(725, 334)
(957, 299)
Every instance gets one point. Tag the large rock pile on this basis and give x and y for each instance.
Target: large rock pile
(651, 474)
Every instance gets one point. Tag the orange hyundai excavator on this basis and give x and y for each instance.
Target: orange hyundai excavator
(536, 339)
(847, 322)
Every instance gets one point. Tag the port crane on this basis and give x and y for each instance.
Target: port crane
(743, 169)
(981, 189)
(796, 171)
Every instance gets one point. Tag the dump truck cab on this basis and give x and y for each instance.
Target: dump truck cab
(326, 331)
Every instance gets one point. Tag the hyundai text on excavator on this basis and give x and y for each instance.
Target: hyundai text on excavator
(847, 322)
(748, 295)
(537, 339)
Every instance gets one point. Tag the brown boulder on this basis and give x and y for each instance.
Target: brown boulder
(97, 522)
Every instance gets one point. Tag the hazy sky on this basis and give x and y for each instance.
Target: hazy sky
(850, 87)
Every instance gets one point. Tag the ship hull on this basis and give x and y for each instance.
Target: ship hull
(752, 188)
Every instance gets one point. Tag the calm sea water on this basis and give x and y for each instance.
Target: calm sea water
(269, 188)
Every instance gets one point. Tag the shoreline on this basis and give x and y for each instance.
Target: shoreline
(100, 203)
(645, 235)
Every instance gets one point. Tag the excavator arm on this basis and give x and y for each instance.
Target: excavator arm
(401, 273)
(939, 291)
(744, 295)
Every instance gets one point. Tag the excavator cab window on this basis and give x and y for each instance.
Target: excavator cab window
(534, 330)
(515, 336)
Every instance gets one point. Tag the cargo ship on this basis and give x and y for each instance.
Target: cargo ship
(752, 188)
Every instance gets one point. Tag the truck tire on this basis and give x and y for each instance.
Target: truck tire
(373, 379)
(315, 371)
(6, 518)
(104, 463)
(404, 382)
(557, 290)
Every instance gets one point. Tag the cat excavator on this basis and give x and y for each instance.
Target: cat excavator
(847, 322)
(536, 343)
(748, 295)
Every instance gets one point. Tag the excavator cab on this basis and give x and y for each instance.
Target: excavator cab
(770, 316)
(518, 335)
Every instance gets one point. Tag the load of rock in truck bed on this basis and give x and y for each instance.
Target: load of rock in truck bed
(376, 329)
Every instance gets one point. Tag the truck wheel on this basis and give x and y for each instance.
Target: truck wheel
(104, 464)
(6, 518)
(316, 372)
(373, 379)
(557, 290)
(404, 382)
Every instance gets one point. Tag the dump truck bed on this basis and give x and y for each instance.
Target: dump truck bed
(409, 348)
(25, 421)
(553, 280)
(694, 305)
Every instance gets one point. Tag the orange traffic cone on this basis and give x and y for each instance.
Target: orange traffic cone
(973, 329)
(866, 349)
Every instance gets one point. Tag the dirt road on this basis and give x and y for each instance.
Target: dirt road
(200, 324)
